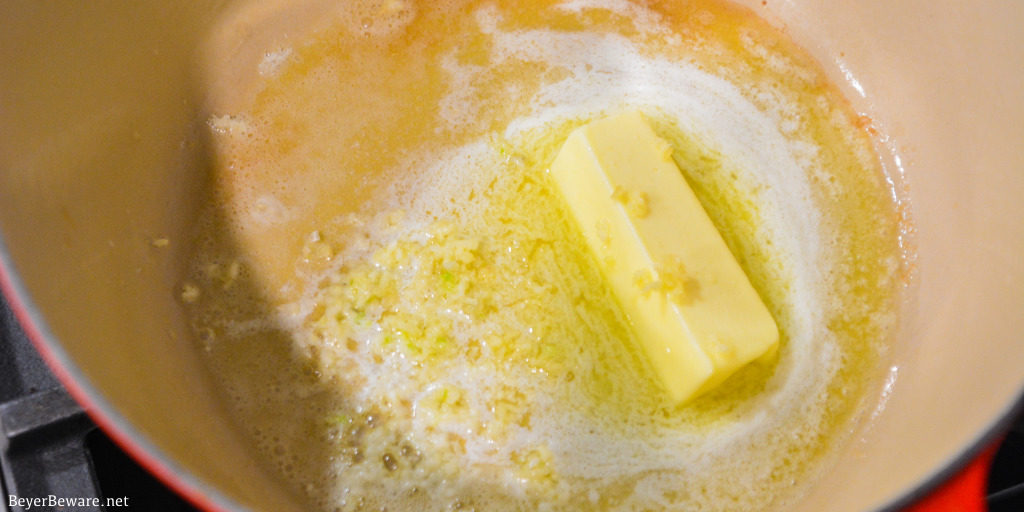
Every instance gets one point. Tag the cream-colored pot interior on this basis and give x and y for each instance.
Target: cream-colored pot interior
(95, 99)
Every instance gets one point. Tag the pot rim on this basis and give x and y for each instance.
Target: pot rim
(102, 412)
(209, 498)
(990, 438)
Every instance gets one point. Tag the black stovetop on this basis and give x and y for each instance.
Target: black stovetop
(49, 448)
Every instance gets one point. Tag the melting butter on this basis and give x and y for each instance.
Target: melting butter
(696, 316)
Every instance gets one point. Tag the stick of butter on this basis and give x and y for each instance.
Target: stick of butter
(693, 309)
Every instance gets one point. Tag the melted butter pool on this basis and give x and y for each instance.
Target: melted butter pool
(401, 314)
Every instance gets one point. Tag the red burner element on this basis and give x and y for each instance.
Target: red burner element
(965, 492)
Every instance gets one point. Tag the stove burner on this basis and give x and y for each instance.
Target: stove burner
(49, 447)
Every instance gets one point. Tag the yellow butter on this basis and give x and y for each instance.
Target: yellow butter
(693, 309)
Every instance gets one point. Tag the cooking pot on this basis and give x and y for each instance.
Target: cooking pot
(100, 158)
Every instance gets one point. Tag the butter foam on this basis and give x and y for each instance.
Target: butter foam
(643, 457)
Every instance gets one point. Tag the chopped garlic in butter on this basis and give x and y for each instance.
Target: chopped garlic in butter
(695, 313)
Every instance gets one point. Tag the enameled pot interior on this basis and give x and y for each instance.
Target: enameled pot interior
(102, 153)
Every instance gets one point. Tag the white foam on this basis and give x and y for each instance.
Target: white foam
(273, 62)
(610, 73)
(702, 105)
